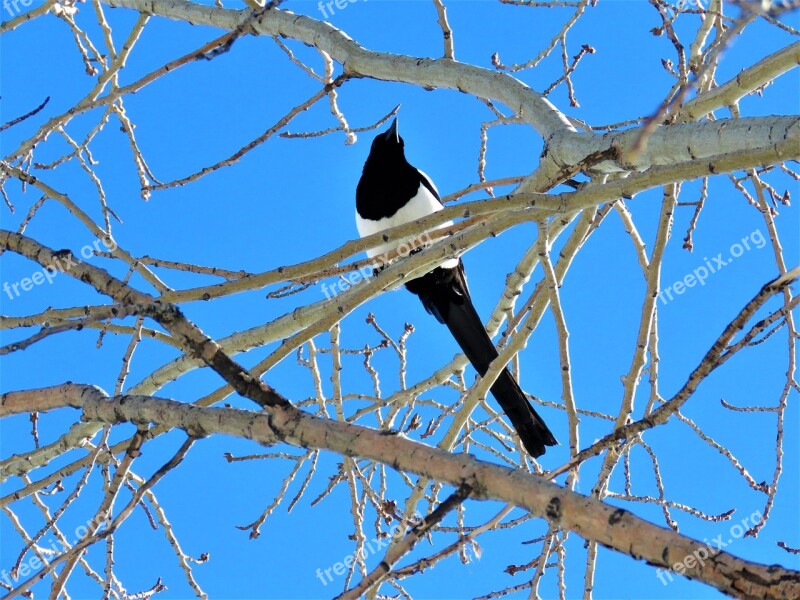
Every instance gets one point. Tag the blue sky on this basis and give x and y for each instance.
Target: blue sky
(291, 200)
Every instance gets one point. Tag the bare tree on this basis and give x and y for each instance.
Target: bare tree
(397, 453)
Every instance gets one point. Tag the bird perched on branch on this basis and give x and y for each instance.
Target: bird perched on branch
(392, 192)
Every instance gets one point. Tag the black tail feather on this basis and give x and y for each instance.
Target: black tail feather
(444, 294)
(531, 428)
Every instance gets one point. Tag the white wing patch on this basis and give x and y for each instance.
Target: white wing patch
(421, 205)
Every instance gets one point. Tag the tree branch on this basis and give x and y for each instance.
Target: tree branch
(612, 527)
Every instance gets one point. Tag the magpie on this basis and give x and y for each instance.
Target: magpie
(392, 192)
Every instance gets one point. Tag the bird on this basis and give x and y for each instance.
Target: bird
(392, 192)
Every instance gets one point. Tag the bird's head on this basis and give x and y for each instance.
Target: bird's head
(387, 146)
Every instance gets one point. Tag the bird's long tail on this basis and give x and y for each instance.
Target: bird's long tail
(466, 326)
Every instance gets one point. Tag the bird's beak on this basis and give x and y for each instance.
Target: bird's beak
(392, 134)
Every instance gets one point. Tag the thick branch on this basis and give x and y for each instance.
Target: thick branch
(357, 61)
(594, 520)
(566, 147)
(681, 143)
(744, 83)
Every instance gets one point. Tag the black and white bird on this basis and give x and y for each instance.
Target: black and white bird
(392, 192)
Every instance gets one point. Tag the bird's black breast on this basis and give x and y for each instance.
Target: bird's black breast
(383, 190)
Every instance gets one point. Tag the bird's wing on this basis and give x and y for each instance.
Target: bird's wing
(428, 183)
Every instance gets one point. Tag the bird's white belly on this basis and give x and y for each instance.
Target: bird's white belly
(421, 205)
